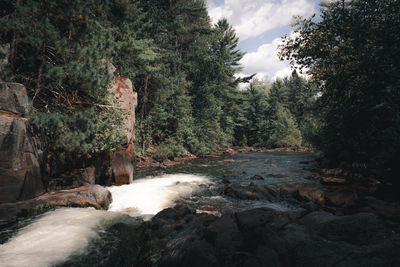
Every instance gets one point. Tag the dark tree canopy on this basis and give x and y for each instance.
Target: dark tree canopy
(353, 53)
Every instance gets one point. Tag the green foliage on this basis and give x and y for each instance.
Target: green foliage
(284, 131)
(85, 131)
(353, 53)
(60, 51)
(280, 114)
(191, 100)
(182, 67)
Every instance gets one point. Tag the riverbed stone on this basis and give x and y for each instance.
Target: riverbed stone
(251, 192)
(91, 195)
(87, 196)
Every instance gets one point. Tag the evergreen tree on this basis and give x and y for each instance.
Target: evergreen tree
(353, 52)
(60, 51)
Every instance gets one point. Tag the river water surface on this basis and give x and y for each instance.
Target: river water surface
(79, 236)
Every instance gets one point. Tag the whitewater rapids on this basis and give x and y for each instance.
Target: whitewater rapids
(58, 234)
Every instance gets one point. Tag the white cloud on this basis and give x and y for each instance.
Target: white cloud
(265, 62)
(252, 18)
(283, 73)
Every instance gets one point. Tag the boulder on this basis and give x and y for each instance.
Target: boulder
(19, 159)
(251, 192)
(206, 240)
(256, 177)
(303, 192)
(14, 98)
(323, 239)
(333, 181)
(341, 198)
(91, 195)
(385, 209)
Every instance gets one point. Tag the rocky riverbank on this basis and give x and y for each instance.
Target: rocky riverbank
(86, 196)
(265, 237)
(312, 232)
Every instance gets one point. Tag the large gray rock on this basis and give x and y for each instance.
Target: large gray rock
(323, 239)
(266, 237)
(14, 98)
(20, 173)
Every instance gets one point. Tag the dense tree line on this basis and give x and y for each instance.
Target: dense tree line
(180, 64)
(183, 69)
(353, 52)
(281, 114)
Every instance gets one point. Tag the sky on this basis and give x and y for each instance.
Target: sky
(260, 24)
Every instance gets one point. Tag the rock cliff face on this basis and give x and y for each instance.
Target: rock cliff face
(20, 165)
(121, 163)
(20, 175)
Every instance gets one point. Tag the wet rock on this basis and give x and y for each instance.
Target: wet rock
(323, 239)
(334, 172)
(229, 160)
(266, 237)
(312, 194)
(251, 192)
(314, 176)
(230, 240)
(338, 197)
(225, 235)
(333, 181)
(88, 196)
(385, 209)
(225, 181)
(341, 198)
(303, 192)
(253, 218)
(256, 177)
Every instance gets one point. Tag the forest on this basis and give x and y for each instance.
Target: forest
(184, 71)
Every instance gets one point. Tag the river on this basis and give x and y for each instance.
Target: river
(81, 236)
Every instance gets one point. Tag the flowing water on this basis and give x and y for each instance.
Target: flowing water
(85, 236)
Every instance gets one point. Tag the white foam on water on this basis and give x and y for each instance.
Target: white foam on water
(151, 195)
(52, 237)
(57, 234)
